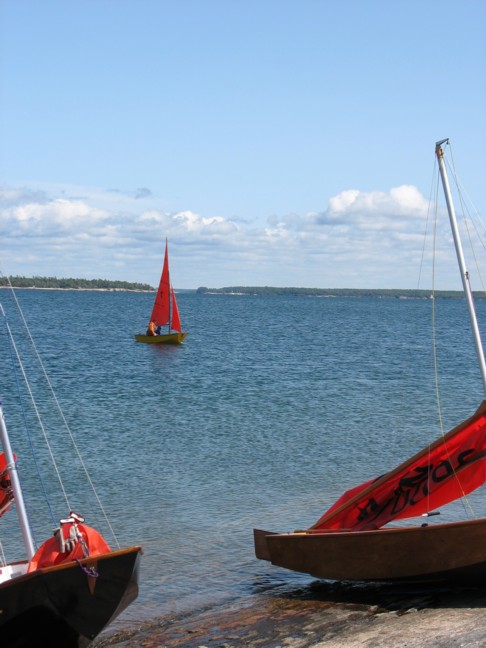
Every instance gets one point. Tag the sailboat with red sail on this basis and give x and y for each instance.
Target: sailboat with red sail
(356, 540)
(164, 312)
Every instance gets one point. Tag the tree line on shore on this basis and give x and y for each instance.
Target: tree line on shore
(71, 284)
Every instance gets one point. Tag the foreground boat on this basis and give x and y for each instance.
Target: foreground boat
(164, 313)
(66, 591)
(350, 541)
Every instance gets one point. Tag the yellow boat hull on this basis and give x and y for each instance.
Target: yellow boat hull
(168, 338)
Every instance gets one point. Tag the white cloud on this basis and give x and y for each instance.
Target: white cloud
(361, 239)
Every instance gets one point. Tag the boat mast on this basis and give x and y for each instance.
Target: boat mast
(16, 488)
(14, 477)
(460, 258)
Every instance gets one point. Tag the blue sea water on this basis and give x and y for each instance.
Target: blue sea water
(272, 407)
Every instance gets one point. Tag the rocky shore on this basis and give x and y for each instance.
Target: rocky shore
(324, 615)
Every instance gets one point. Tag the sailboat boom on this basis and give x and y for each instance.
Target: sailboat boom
(460, 259)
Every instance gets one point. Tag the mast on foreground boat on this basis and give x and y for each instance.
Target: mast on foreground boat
(15, 481)
(460, 258)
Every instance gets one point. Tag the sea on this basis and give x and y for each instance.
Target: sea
(272, 407)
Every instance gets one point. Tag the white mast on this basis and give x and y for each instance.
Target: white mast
(17, 490)
(460, 258)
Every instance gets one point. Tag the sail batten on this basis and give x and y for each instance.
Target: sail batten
(436, 476)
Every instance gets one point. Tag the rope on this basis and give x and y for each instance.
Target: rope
(11, 346)
(3, 560)
(467, 220)
(66, 425)
(39, 419)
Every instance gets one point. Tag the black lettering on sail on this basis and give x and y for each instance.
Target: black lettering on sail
(443, 471)
(412, 488)
(462, 459)
(416, 485)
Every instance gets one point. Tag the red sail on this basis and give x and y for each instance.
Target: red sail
(160, 312)
(6, 493)
(451, 467)
(176, 320)
(49, 553)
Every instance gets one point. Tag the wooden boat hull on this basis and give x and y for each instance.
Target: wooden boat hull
(453, 552)
(63, 606)
(169, 338)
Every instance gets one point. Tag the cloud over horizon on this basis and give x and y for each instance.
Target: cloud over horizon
(361, 239)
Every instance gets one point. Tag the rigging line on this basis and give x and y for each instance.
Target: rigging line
(66, 424)
(434, 175)
(461, 188)
(467, 219)
(39, 419)
(24, 418)
(3, 560)
(467, 200)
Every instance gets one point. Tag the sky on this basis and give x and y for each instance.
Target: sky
(272, 142)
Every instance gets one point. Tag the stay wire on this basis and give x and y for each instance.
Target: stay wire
(66, 424)
(12, 348)
(467, 220)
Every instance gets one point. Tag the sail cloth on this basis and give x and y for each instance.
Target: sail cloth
(161, 310)
(165, 309)
(451, 467)
(6, 493)
(49, 554)
(176, 320)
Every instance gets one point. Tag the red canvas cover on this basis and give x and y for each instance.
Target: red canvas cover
(160, 312)
(49, 555)
(451, 467)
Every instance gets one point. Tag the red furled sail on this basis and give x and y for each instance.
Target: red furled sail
(6, 493)
(49, 553)
(451, 467)
(161, 310)
(176, 320)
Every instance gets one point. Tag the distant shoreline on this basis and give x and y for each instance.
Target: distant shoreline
(395, 293)
(80, 289)
(105, 285)
(70, 283)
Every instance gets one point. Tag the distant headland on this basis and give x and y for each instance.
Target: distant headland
(52, 283)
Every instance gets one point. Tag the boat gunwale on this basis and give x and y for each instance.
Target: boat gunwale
(309, 533)
(71, 563)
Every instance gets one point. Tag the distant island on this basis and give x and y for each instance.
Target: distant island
(52, 283)
(337, 292)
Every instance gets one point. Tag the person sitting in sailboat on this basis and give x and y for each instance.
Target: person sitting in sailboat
(151, 328)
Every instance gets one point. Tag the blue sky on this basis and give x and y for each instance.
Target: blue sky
(274, 142)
